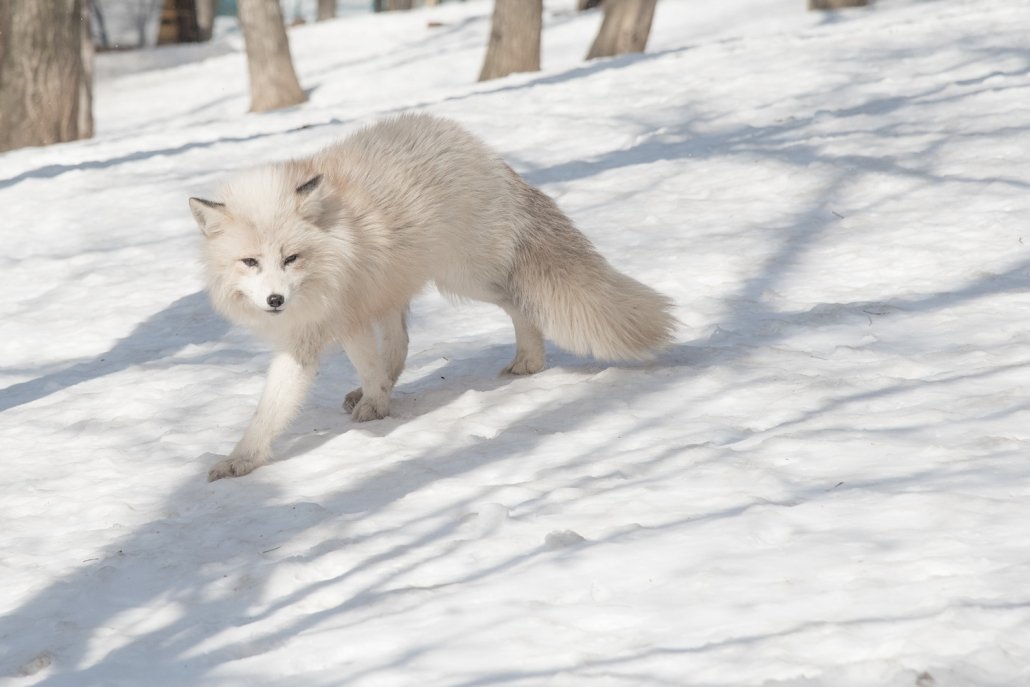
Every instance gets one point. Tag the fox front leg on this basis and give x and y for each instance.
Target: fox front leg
(285, 388)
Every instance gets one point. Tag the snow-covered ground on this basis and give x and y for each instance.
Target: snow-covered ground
(824, 483)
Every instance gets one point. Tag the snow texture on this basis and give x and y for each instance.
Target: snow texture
(824, 483)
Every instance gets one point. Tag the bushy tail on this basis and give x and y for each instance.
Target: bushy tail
(602, 313)
(581, 302)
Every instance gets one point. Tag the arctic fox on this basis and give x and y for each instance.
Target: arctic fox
(332, 248)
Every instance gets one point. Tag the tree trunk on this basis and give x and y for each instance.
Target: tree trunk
(86, 77)
(392, 5)
(625, 27)
(583, 5)
(835, 4)
(326, 10)
(514, 38)
(205, 18)
(273, 82)
(41, 72)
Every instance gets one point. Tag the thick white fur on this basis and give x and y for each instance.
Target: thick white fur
(371, 220)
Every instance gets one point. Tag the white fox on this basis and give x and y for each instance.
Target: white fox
(333, 247)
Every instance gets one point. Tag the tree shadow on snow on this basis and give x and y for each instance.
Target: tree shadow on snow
(54, 170)
(170, 563)
(188, 321)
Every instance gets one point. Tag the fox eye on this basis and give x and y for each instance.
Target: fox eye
(249, 262)
(288, 260)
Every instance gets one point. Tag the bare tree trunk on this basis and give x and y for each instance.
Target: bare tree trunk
(5, 32)
(582, 5)
(40, 72)
(514, 38)
(86, 77)
(326, 10)
(625, 27)
(273, 82)
(205, 18)
(835, 4)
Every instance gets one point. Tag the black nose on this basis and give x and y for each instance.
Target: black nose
(276, 300)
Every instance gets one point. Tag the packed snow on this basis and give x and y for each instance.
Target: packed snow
(824, 482)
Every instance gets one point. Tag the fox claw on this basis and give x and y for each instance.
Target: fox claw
(234, 467)
(367, 410)
(352, 399)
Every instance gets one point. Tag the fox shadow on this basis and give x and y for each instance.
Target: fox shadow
(424, 389)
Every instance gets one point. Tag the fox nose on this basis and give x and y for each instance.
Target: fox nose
(276, 300)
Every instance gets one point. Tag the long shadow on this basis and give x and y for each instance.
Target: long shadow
(410, 52)
(188, 321)
(51, 171)
(776, 142)
(55, 170)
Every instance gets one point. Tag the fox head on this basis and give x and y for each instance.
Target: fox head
(262, 240)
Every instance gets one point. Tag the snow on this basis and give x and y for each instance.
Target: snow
(823, 484)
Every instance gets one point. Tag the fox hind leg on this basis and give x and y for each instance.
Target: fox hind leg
(395, 342)
(529, 343)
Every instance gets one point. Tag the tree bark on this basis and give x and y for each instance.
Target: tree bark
(86, 76)
(326, 10)
(835, 4)
(514, 38)
(205, 18)
(273, 81)
(41, 72)
(624, 29)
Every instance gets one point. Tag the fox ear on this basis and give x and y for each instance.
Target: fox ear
(309, 185)
(311, 201)
(209, 215)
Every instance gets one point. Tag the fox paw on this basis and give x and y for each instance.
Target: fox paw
(237, 466)
(523, 365)
(369, 409)
(352, 399)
